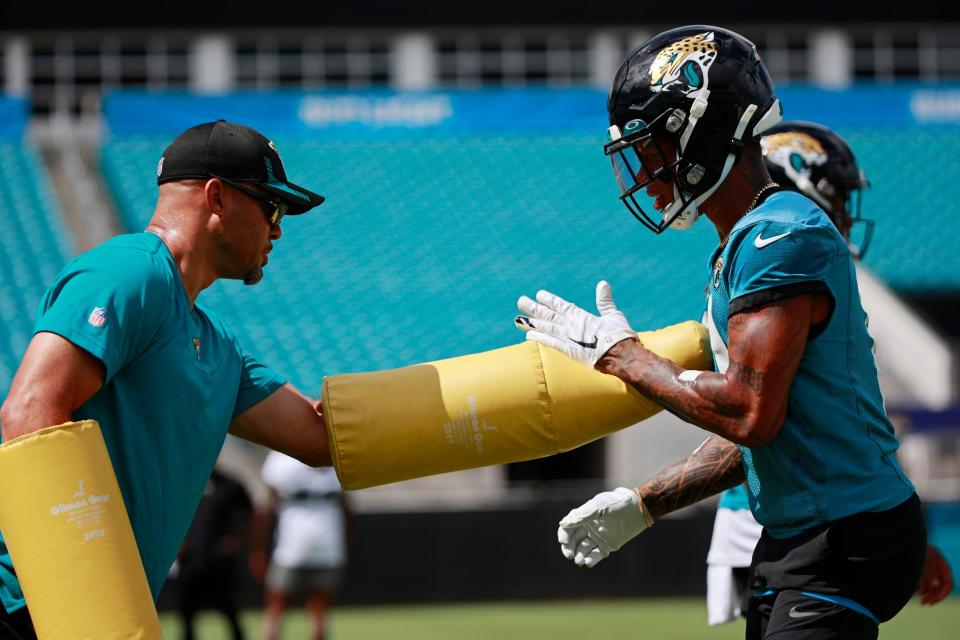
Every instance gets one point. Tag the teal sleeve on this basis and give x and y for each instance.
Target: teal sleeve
(776, 260)
(109, 303)
(257, 381)
(735, 499)
(11, 594)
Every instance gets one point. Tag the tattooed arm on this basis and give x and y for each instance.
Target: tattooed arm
(748, 402)
(745, 404)
(606, 522)
(716, 465)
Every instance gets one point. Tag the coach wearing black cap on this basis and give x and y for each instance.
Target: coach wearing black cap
(237, 155)
(120, 338)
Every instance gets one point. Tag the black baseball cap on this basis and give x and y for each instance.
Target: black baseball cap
(234, 153)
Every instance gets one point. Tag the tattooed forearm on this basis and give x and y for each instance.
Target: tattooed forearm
(708, 402)
(748, 376)
(716, 465)
(745, 404)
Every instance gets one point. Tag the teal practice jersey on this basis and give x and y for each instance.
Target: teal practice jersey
(175, 379)
(835, 453)
(735, 499)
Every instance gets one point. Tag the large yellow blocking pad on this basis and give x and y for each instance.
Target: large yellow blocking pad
(511, 404)
(69, 536)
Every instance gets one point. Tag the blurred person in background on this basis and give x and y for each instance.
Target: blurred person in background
(815, 161)
(209, 558)
(307, 549)
(794, 400)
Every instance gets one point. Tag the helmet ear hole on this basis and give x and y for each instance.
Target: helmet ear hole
(675, 121)
(694, 174)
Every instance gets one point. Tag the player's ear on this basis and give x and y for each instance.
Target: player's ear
(213, 195)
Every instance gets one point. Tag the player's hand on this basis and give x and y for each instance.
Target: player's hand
(553, 321)
(603, 524)
(936, 581)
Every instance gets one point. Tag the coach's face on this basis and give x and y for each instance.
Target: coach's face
(248, 234)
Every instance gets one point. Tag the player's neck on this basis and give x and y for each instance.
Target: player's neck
(736, 196)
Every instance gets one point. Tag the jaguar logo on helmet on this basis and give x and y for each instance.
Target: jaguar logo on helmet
(794, 151)
(682, 67)
(814, 160)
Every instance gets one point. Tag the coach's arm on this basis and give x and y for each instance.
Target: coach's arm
(54, 379)
(289, 422)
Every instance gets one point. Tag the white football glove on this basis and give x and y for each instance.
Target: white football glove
(564, 326)
(603, 524)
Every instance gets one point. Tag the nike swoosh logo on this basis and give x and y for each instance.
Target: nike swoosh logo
(760, 243)
(793, 613)
(587, 345)
(523, 322)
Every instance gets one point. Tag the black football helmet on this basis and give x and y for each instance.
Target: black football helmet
(681, 108)
(814, 160)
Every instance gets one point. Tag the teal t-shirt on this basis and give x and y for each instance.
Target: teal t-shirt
(735, 499)
(175, 378)
(835, 453)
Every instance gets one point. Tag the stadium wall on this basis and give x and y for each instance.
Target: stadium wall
(504, 554)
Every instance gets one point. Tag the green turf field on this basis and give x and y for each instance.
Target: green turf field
(674, 619)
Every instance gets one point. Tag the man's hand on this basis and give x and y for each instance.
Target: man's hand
(936, 581)
(564, 326)
(603, 524)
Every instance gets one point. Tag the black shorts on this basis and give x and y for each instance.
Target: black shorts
(838, 580)
(16, 625)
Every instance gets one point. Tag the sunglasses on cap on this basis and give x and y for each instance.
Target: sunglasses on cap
(274, 210)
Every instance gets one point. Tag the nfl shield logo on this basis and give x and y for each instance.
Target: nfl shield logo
(98, 317)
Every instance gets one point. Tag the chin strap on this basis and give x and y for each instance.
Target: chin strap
(697, 109)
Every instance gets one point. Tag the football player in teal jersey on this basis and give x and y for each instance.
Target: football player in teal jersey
(794, 400)
(815, 161)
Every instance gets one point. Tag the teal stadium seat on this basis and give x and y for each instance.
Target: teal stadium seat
(915, 199)
(34, 246)
(424, 245)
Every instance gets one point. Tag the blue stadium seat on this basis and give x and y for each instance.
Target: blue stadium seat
(424, 245)
(33, 248)
(914, 195)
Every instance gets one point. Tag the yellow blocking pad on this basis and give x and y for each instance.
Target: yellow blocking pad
(511, 404)
(69, 536)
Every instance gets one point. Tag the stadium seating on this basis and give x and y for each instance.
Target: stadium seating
(33, 247)
(913, 198)
(424, 244)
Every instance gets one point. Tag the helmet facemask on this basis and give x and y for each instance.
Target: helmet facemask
(861, 229)
(639, 160)
(682, 106)
(639, 157)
